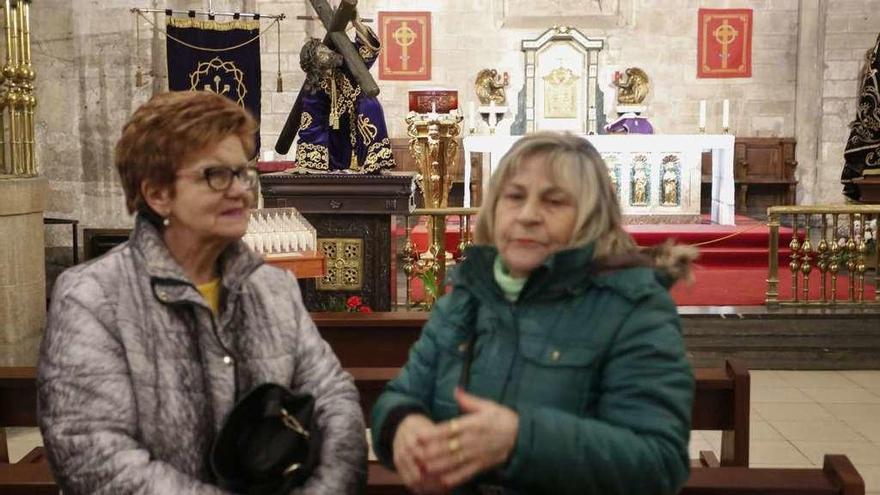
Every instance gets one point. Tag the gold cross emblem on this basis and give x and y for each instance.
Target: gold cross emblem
(725, 34)
(404, 36)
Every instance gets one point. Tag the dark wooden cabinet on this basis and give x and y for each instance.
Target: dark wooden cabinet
(352, 217)
(763, 173)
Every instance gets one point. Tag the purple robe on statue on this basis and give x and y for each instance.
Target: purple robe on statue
(359, 140)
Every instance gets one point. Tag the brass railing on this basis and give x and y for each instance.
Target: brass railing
(430, 266)
(17, 100)
(839, 242)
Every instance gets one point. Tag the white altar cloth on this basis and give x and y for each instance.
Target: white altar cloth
(690, 148)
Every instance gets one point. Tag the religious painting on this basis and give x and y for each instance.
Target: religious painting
(670, 180)
(560, 94)
(612, 161)
(724, 43)
(640, 180)
(406, 46)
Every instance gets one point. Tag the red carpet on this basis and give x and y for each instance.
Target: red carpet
(730, 271)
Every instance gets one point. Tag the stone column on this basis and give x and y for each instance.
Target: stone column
(22, 270)
(808, 96)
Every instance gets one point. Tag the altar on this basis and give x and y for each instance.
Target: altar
(655, 175)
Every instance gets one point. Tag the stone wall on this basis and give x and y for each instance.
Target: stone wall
(22, 291)
(85, 56)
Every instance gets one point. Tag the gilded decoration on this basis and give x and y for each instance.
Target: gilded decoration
(632, 87)
(670, 181)
(560, 94)
(346, 93)
(208, 24)
(640, 182)
(313, 156)
(345, 263)
(209, 76)
(368, 130)
(432, 145)
(490, 85)
(306, 121)
(379, 155)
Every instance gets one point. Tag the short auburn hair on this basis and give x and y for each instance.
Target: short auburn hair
(168, 130)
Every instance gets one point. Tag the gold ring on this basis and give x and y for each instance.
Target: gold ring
(454, 445)
(453, 426)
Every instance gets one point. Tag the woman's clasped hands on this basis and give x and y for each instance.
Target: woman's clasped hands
(436, 457)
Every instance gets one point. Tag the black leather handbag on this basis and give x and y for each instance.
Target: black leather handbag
(269, 443)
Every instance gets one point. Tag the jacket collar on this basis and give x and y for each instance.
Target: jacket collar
(237, 262)
(565, 271)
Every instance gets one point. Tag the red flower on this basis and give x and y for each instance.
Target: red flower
(353, 302)
(365, 309)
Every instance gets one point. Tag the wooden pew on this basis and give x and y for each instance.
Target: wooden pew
(18, 400)
(373, 346)
(18, 408)
(837, 477)
(721, 403)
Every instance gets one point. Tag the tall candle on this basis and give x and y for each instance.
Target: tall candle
(702, 114)
(472, 115)
(725, 114)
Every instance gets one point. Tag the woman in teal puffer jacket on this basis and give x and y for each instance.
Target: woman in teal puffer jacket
(556, 365)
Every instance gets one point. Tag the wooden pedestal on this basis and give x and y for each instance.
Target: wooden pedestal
(352, 217)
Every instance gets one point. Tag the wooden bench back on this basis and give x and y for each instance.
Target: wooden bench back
(373, 347)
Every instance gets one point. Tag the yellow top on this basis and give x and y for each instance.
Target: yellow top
(211, 292)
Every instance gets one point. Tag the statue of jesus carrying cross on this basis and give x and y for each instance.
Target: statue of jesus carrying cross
(339, 120)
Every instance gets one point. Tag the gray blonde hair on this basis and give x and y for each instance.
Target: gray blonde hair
(575, 165)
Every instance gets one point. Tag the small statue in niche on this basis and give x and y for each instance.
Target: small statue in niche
(490, 87)
(640, 184)
(632, 86)
(670, 183)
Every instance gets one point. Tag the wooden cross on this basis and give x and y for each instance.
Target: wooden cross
(335, 23)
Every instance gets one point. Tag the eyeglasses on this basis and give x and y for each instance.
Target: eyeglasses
(219, 177)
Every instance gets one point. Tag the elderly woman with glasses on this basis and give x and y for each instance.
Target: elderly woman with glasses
(148, 347)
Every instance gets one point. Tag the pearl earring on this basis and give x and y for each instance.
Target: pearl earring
(166, 222)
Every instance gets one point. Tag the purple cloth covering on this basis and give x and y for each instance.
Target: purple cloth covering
(630, 125)
(361, 143)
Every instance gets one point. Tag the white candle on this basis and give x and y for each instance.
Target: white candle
(702, 114)
(725, 114)
(472, 115)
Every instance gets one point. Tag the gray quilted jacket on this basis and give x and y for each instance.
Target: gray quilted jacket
(136, 375)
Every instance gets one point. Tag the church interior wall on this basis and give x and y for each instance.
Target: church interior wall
(85, 56)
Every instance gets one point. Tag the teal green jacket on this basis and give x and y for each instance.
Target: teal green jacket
(592, 361)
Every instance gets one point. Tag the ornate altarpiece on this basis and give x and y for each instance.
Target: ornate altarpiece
(561, 81)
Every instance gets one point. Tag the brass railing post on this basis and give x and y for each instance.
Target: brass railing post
(822, 249)
(772, 296)
(806, 249)
(847, 250)
(794, 264)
